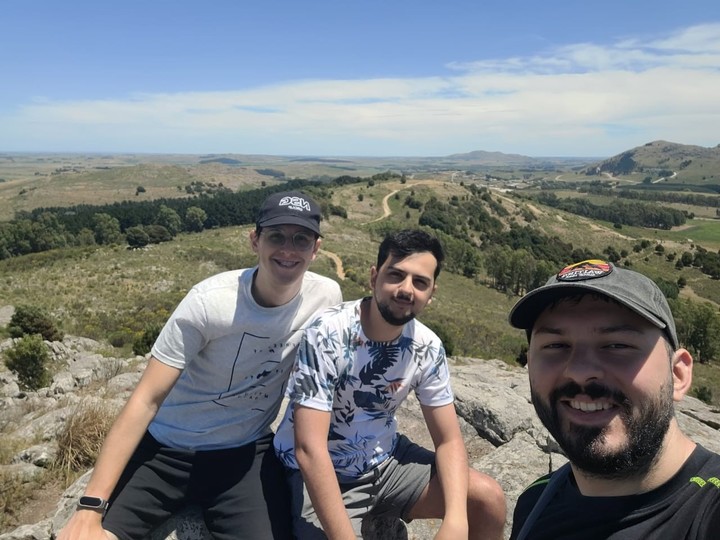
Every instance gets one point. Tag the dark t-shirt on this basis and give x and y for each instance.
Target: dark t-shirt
(685, 507)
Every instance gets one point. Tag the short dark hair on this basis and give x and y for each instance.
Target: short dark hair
(409, 241)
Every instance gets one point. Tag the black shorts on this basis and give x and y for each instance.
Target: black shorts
(241, 491)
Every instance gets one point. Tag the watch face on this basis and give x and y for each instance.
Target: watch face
(93, 502)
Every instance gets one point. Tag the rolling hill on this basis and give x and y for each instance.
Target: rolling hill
(671, 163)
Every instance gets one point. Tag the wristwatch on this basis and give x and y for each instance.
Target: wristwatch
(93, 503)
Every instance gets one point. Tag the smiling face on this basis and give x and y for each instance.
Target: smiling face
(403, 287)
(602, 384)
(282, 264)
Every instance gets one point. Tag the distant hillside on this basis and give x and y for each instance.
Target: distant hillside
(484, 159)
(492, 158)
(662, 161)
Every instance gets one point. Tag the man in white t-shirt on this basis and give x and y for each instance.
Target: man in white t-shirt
(357, 363)
(197, 427)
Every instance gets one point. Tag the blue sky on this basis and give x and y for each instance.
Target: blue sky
(370, 78)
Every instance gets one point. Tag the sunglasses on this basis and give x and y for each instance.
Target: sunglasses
(301, 241)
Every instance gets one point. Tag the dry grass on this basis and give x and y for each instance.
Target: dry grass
(15, 493)
(78, 446)
(82, 436)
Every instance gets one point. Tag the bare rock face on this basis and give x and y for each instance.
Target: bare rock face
(502, 434)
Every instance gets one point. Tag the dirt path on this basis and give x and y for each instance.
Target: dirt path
(386, 198)
(386, 212)
(386, 206)
(338, 263)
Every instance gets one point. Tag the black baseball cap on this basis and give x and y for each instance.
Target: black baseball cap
(290, 208)
(627, 287)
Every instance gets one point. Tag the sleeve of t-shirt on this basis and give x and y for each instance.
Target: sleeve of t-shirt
(182, 337)
(433, 389)
(313, 380)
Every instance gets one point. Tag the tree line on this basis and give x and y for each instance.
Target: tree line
(139, 223)
(632, 213)
(136, 223)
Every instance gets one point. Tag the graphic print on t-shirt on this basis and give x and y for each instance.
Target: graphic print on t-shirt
(244, 381)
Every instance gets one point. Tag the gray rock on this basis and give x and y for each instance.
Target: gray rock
(40, 455)
(25, 472)
(8, 387)
(38, 531)
(62, 383)
(700, 411)
(123, 383)
(44, 427)
(186, 525)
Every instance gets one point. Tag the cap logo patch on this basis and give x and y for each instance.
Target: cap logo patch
(590, 269)
(295, 203)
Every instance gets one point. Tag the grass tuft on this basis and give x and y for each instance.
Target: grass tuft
(82, 436)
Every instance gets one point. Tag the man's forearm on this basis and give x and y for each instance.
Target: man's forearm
(452, 472)
(130, 426)
(322, 485)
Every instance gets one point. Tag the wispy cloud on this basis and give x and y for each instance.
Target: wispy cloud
(581, 99)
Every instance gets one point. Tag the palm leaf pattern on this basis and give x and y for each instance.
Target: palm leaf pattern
(362, 383)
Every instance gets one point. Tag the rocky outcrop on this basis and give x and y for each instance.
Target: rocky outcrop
(502, 434)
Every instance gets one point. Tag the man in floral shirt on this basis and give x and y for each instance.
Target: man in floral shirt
(355, 366)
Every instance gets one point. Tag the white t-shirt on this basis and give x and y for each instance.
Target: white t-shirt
(362, 383)
(235, 356)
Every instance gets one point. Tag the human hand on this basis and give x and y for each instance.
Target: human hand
(84, 525)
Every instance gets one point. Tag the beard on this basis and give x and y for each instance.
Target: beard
(390, 317)
(584, 446)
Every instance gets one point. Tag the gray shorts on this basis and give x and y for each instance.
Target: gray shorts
(391, 490)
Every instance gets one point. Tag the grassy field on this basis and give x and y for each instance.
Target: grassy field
(112, 293)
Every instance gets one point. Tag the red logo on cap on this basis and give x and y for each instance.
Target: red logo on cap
(590, 269)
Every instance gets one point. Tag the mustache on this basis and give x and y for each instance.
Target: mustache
(403, 296)
(593, 390)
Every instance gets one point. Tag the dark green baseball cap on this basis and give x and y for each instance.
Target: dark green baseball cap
(627, 287)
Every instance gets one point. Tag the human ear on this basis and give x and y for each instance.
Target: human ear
(316, 248)
(432, 294)
(682, 363)
(254, 239)
(373, 277)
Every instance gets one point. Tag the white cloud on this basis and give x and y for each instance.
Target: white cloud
(582, 99)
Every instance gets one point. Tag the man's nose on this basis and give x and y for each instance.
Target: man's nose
(406, 286)
(584, 364)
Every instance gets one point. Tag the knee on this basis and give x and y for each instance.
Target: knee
(486, 500)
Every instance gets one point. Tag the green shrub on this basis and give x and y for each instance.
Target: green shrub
(703, 393)
(442, 332)
(33, 320)
(521, 358)
(144, 342)
(137, 237)
(121, 337)
(28, 359)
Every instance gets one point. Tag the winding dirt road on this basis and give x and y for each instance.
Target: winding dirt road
(339, 270)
